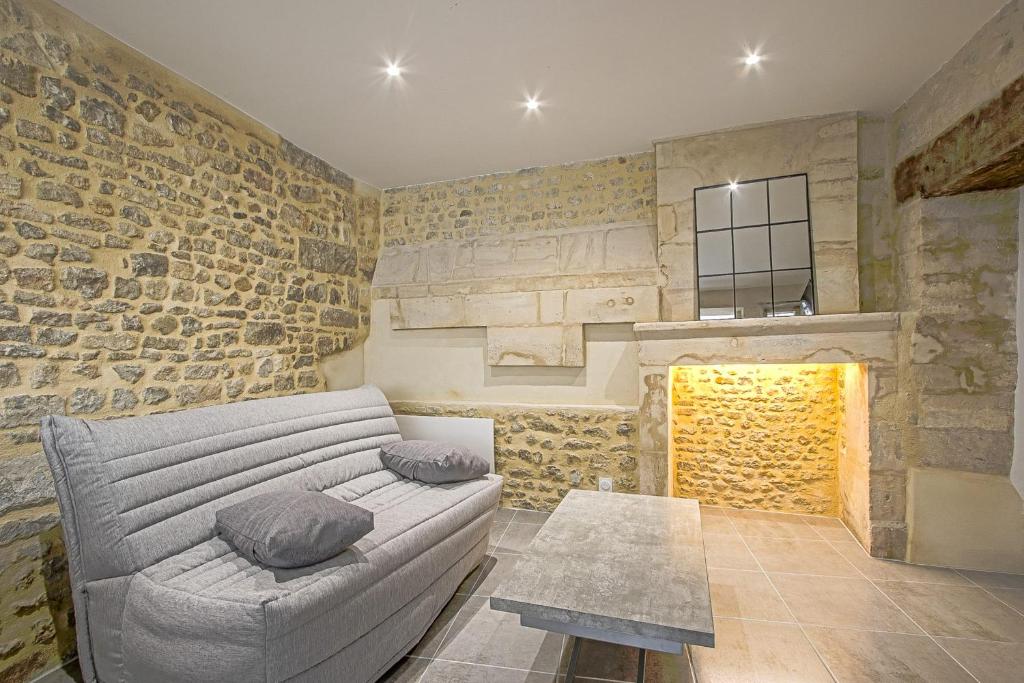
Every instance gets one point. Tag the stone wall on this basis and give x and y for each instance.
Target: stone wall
(158, 250)
(543, 452)
(765, 437)
(823, 147)
(586, 193)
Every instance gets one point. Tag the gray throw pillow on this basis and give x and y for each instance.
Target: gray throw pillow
(292, 528)
(433, 462)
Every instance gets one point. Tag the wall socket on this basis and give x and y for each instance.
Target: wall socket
(604, 484)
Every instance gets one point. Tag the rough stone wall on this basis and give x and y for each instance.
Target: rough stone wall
(957, 271)
(158, 250)
(757, 436)
(586, 193)
(543, 452)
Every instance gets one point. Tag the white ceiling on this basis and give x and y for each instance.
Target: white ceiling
(612, 74)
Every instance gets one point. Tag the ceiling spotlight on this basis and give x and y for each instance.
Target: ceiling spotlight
(753, 59)
(393, 70)
(733, 186)
(532, 104)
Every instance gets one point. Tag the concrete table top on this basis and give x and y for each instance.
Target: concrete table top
(617, 567)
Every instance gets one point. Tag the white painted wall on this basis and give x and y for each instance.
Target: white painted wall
(451, 365)
(1017, 468)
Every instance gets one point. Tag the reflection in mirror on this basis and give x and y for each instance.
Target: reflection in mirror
(714, 253)
(712, 207)
(794, 292)
(754, 295)
(750, 204)
(754, 253)
(751, 246)
(791, 247)
(716, 297)
(788, 198)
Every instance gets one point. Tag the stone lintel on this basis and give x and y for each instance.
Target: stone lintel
(982, 151)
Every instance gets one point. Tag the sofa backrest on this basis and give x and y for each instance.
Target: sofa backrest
(136, 490)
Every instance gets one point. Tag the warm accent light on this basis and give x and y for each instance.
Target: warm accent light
(733, 186)
(393, 70)
(764, 436)
(532, 104)
(753, 59)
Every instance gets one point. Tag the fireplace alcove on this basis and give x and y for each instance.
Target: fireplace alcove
(719, 432)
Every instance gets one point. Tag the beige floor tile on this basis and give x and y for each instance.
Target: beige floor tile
(751, 523)
(956, 611)
(800, 556)
(728, 551)
(516, 537)
(480, 635)
(497, 529)
(1014, 597)
(531, 517)
(757, 651)
(989, 662)
(889, 570)
(995, 580)
(867, 657)
(457, 672)
(830, 528)
(504, 515)
(715, 521)
(431, 640)
(408, 670)
(745, 594)
(841, 602)
(492, 571)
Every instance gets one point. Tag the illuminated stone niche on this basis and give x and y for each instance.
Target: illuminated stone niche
(787, 437)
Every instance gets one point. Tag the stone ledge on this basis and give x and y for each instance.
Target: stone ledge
(758, 327)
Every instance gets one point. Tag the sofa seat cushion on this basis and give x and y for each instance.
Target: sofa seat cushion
(306, 614)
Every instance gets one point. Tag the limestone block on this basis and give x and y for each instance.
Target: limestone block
(552, 306)
(631, 248)
(581, 252)
(396, 267)
(627, 304)
(440, 261)
(502, 309)
(538, 249)
(428, 312)
(548, 345)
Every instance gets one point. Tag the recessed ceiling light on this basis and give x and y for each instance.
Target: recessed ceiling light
(532, 104)
(753, 59)
(733, 186)
(393, 70)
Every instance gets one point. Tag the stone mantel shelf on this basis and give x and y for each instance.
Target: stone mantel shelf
(762, 327)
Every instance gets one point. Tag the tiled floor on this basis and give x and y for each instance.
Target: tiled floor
(795, 599)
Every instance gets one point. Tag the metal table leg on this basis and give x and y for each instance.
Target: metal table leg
(574, 658)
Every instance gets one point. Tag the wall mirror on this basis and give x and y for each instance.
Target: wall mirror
(754, 249)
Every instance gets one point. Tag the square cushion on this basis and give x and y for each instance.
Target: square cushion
(433, 462)
(292, 528)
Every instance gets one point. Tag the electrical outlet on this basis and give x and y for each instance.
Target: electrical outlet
(604, 484)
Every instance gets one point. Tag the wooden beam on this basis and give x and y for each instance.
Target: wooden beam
(982, 151)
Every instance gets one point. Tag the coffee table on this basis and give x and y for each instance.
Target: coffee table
(616, 567)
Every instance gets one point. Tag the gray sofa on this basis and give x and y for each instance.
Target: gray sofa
(159, 597)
